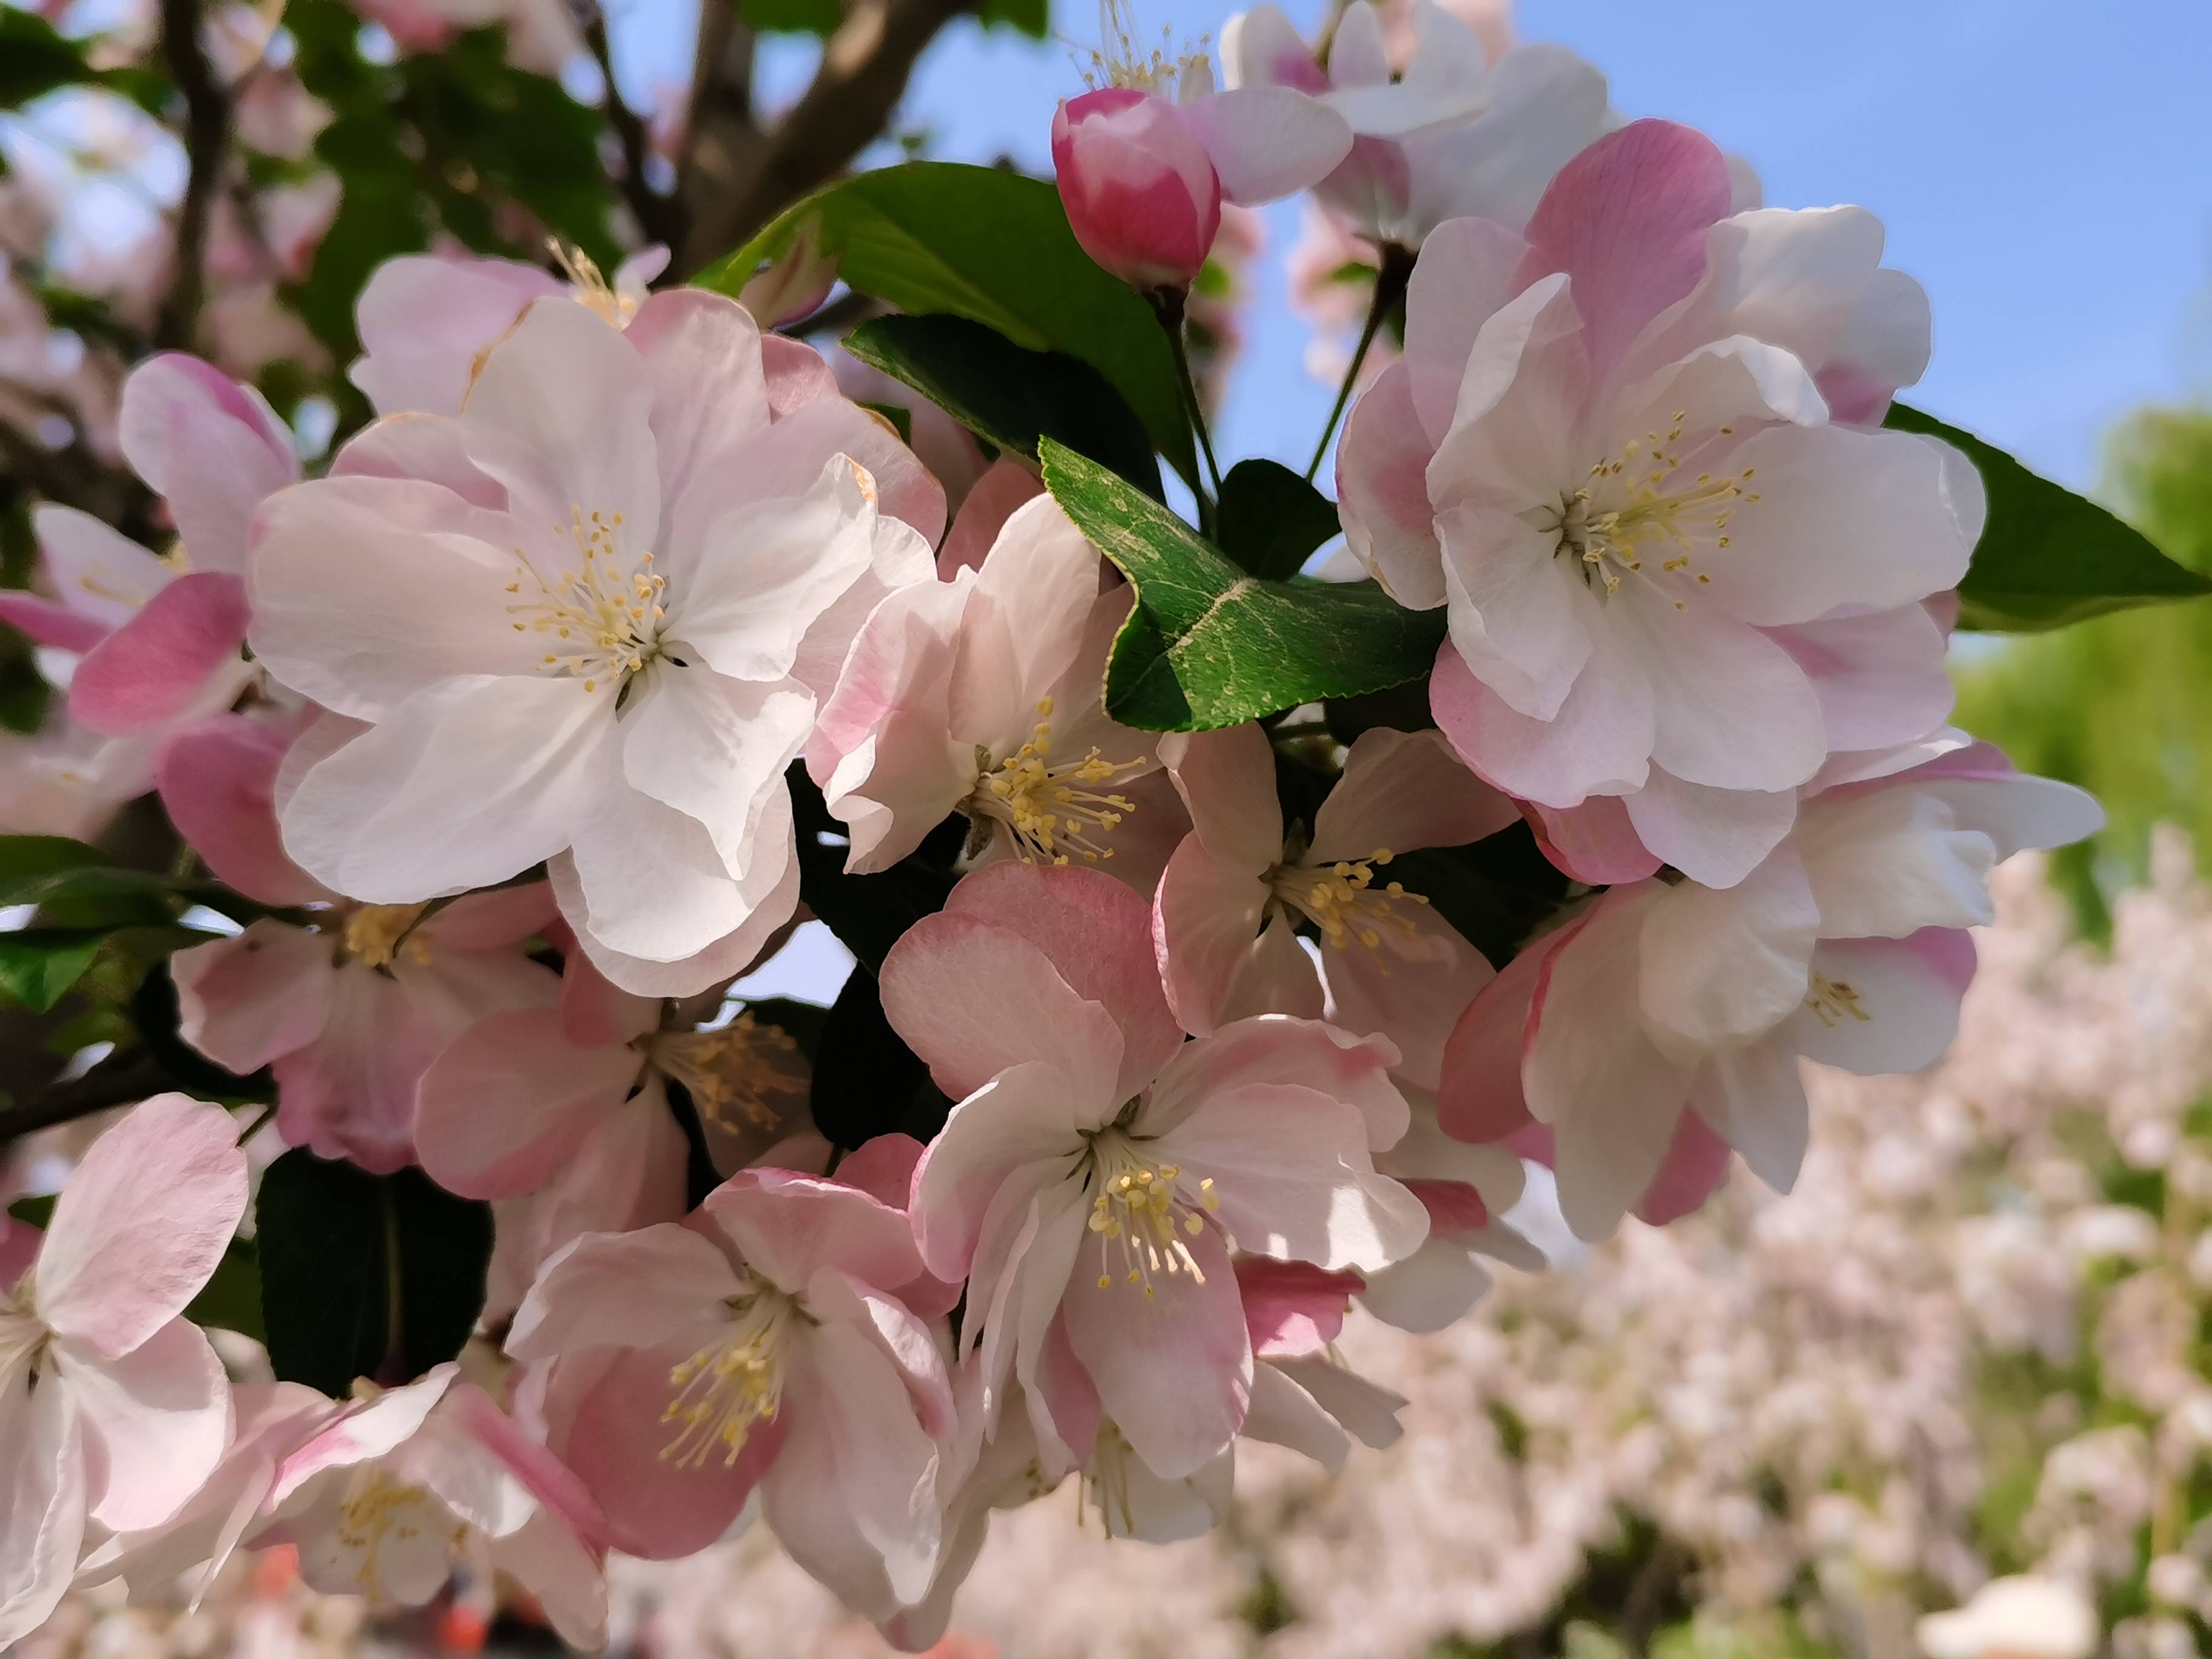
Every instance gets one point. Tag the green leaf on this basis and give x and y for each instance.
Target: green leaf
(1031, 17)
(1273, 520)
(39, 965)
(34, 58)
(364, 1275)
(38, 1211)
(993, 246)
(1207, 645)
(80, 887)
(1010, 396)
(802, 16)
(901, 418)
(2047, 557)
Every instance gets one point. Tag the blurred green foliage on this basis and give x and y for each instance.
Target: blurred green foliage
(2121, 705)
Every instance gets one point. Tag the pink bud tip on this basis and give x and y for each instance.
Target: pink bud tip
(1141, 193)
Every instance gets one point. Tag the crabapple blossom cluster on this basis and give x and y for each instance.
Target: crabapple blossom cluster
(624, 640)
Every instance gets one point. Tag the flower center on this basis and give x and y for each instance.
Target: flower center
(1142, 1216)
(1343, 901)
(23, 1334)
(379, 1513)
(1647, 504)
(733, 1382)
(736, 1074)
(603, 619)
(1049, 809)
(1122, 60)
(378, 934)
(588, 286)
(1833, 1002)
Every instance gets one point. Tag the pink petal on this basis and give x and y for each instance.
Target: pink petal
(1171, 1361)
(1626, 220)
(493, 919)
(1594, 843)
(1343, 1066)
(1721, 968)
(1716, 836)
(1267, 143)
(1404, 790)
(1097, 936)
(159, 664)
(1412, 988)
(1290, 1308)
(1227, 780)
(660, 1287)
(1697, 1162)
(787, 1227)
(798, 446)
(426, 321)
(157, 1421)
(97, 572)
(1292, 1172)
(1206, 920)
(1383, 491)
(218, 779)
(244, 1001)
(142, 1223)
(797, 374)
(1481, 1097)
(710, 403)
(420, 448)
(505, 1105)
(1906, 994)
(1008, 485)
(212, 447)
(42, 622)
(1468, 269)
(1601, 741)
(1880, 676)
(1003, 1142)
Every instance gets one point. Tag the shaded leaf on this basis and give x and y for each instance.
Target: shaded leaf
(40, 965)
(364, 1275)
(1270, 519)
(865, 1078)
(1009, 396)
(34, 58)
(2048, 556)
(1207, 645)
(993, 246)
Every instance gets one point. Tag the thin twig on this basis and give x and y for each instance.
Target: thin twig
(118, 1080)
(661, 217)
(207, 141)
(865, 68)
(1389, 288)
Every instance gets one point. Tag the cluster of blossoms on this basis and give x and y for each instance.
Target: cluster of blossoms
(515, 725)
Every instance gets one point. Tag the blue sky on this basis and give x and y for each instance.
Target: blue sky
(2044, 166)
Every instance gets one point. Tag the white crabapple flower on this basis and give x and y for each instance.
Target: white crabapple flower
(113, 1408)
(566, 1109)
(426, 320)
(350, 1004)
(1607, 450)
(584, 622)
(983, 694)
(778, 1339)
(1226, 915)
(1097, 1169)
(384, 1495)
(1668, 1007)
(1459, 133)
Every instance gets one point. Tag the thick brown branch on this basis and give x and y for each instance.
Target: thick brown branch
(865, 68)
(119, 1080)
(661, 217)
(207, 142)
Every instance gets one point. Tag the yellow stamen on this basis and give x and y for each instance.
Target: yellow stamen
(731, 1383)
(380, 934)
(1048, 809)
(604, 617)
(1342, 900)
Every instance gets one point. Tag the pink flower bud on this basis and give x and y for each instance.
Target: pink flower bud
(1140, 189)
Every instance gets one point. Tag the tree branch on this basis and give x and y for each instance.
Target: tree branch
(118, 1080)
(207, 141)
(661, 217)
(865, 68)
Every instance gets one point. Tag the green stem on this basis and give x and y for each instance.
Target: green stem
(1389, 288)
(1169, 306)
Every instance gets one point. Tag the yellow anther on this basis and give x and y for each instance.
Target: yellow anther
(380, 934)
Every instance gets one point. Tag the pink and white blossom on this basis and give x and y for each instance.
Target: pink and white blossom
(1609, 453)
(1230, 904)
(584, 622)
(1668, 1020)
(1097, 1170)
(113, 1408)
(1143, 170)
(776, 1340)
(981, 694)
(1457, 130)
(350, 1009)
(156, 638)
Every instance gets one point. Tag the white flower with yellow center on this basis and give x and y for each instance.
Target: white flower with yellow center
(584, 622)
(1098, 1170)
